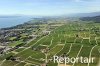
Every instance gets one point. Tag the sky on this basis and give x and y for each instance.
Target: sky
(48, 7)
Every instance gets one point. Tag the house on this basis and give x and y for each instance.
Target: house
(45, 32)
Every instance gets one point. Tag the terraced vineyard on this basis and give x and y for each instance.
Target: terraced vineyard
(73, 39)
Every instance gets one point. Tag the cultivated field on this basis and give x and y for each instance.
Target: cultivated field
(73, 39)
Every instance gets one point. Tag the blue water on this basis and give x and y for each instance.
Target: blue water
(13, 21)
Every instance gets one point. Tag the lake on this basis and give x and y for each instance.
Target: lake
(13, 21)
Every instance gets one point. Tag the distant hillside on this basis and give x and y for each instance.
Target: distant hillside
(95, 19)
(85, 14)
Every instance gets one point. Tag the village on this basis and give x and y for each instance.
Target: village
(19, 36)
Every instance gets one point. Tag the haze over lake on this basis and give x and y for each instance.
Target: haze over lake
(12, 21)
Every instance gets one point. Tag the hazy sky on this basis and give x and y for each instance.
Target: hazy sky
(48, 7)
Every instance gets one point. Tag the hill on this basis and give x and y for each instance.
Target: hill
(95, 19)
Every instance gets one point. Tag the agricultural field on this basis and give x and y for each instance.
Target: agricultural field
(71, 39)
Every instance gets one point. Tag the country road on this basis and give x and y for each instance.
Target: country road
(99, 62)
